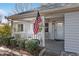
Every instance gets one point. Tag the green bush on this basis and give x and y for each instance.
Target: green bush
(32, 45)
(5, 33)
(5, 41)
(13, 43)
(21, 43)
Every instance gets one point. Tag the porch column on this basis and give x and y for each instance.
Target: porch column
(43, 18)
(42, 41)
(11, 27)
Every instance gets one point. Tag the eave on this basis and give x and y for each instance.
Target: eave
(48, 12)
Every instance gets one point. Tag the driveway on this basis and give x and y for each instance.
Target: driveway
(53, 47)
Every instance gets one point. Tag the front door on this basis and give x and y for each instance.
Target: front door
(59, 35)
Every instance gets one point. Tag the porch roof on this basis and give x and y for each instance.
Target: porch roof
(52, 11)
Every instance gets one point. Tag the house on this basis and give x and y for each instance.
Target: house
(59, 23)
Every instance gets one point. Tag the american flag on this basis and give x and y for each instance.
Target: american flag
(37, 22)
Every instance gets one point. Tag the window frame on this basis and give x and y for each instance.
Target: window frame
(20, 27)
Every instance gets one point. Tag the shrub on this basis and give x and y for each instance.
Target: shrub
(21, 43)
(5, 41)
(37, 41)
(13, 43)
(5, 32)
(32, 45)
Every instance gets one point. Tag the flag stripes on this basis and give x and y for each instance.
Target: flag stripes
(37, 22)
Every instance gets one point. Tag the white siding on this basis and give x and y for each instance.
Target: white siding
(28, 30)
(72, 32)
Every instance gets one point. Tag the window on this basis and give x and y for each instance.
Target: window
(20, 27)
(46, 27)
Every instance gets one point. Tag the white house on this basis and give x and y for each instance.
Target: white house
(61, 23)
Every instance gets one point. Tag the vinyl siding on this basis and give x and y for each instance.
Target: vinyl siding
(28, 30)
(72, 32)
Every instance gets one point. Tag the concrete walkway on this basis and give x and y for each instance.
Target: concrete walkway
(54, 48)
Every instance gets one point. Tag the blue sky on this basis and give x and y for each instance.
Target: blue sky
(6, 8)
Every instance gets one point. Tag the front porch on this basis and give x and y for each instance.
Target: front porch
(53, 47)
(56, 48)
(54, 34)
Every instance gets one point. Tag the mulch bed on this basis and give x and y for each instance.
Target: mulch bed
(4, 51)
(12, 51)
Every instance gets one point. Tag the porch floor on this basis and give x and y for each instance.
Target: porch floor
(53, 47)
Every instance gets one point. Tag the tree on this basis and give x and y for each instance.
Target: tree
(5, 31)
(21, 7)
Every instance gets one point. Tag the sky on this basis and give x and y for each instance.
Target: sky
(7, 8)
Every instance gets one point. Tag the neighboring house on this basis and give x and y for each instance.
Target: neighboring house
(61, 23)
